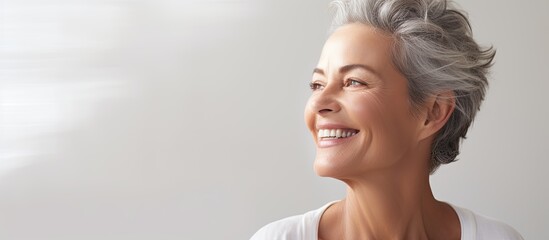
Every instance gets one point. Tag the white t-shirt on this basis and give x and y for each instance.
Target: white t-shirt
(305, 227)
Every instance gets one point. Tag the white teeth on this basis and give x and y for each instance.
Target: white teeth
(335, 133)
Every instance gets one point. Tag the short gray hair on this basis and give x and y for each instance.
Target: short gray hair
(434, 49)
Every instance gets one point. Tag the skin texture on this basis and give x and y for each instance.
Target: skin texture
(385, 165)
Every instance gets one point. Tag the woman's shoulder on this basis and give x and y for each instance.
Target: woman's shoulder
(289, 228)
(298, 227)
(477, 226)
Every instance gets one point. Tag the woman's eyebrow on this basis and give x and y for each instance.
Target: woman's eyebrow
(347, 68)
(350, 67)
(318, 70)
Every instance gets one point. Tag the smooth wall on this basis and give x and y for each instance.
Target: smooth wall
(141, 119)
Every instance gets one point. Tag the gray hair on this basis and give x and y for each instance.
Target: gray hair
(434, 49)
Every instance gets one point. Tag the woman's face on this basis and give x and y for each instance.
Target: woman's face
(359, 111)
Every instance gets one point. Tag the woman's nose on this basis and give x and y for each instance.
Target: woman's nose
(326, 102)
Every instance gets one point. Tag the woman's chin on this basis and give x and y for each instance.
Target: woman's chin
(326, 167)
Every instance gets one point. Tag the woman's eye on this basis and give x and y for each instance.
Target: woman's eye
(354, 83)
(316, 86)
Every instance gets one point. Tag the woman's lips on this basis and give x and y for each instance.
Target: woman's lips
(332, 137)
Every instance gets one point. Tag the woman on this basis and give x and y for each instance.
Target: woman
(397, 85)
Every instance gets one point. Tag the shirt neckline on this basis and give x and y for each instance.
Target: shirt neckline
(461, 213)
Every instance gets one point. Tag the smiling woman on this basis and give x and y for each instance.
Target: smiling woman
(397, 86)
(372, 100)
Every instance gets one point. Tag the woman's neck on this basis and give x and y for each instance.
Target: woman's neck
(394, 205)
(382, 209)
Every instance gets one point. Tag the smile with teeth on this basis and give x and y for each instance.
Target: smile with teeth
(336, 133)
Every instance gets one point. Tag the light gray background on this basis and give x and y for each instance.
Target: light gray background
(140, 119)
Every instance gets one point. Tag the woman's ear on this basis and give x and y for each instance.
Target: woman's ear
(439, 109)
